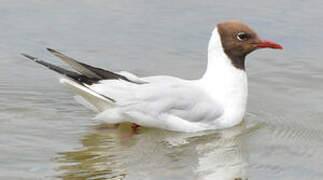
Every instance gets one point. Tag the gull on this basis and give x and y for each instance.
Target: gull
(216, 100)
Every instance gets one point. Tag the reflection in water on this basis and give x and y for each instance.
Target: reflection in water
(157, 154)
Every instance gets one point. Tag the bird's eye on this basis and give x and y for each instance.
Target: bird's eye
(243, 36)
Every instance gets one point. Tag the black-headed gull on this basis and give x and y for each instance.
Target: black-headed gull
(216, 100)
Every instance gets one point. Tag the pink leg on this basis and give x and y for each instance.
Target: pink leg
(134, 127)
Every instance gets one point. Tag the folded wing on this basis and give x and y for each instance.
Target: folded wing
(166, 102)
(85, 76)
(156, 101)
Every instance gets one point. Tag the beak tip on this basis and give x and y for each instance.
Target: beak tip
(269, 44)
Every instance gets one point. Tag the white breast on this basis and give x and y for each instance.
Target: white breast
(225, 83)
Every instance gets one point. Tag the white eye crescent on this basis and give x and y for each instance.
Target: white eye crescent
(243, 36)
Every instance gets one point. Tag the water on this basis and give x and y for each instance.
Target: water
(45, 134)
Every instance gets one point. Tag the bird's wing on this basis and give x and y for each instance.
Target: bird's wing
(85, 76)
(184, 100)
(93, 72)
(162, 98)
(167, 99)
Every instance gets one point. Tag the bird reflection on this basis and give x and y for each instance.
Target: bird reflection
(158, 154)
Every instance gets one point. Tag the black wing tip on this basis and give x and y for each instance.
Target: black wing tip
(55, 52)
(29, 57)
(51, 50)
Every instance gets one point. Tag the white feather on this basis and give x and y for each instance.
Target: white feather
(217, 100)
(98, 101)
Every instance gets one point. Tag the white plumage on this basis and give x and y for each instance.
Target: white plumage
(217, 100)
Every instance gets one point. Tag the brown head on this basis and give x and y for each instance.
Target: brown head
(239, 39)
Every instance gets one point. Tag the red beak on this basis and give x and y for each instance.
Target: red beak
(269, 44)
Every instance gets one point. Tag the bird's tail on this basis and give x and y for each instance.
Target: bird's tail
(81, 80)
(93, 100)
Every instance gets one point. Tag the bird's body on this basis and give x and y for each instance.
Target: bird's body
(217, 100)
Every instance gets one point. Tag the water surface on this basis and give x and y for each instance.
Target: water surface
(45, 134)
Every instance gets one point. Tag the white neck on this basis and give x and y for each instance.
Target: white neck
(225, 83)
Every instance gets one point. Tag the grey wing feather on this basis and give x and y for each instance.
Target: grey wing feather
(79, 79)
(71, 74)
(74, 64)
(195, 106)
(90, 71)
(176, 97)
